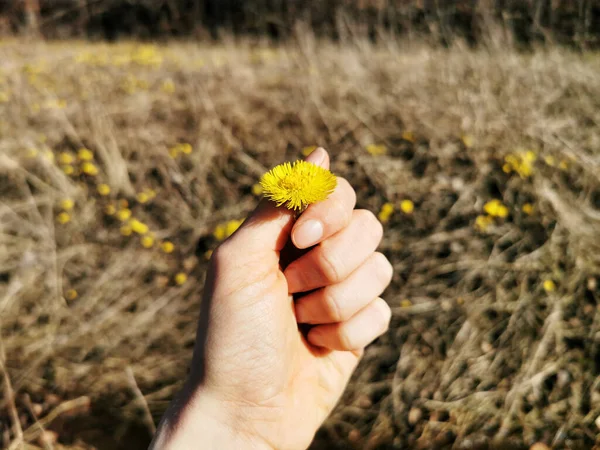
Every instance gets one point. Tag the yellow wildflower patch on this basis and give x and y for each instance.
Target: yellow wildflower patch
(103, 189)
(521, 162)
(387, 209)
(482, 223)
(496, 208)
(66, 158)
(167, 247)
(123, 214)
(180, 278)
(63, 218)
(147, 241)
(89, 168)
(67, 204)
(71, 294)
(527, 208)
(376, 149)
(126, 230)
(549, 285)
(138, 227)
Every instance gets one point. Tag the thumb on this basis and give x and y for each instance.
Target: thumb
(268, 227)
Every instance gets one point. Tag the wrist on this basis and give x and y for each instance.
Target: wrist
(202, 421)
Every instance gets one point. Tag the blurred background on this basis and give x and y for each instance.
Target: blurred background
(132, 137)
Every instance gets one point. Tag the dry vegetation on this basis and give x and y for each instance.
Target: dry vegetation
(495, 340)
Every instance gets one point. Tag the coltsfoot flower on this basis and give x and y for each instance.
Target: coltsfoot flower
(297, 185)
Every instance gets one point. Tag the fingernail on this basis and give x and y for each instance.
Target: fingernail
(308, 233)
(317, 156)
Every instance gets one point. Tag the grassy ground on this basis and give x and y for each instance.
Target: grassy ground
(495, 340)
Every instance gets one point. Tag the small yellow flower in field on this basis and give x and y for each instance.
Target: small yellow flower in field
(506, 168)
(550, 160)
(482, 223)
(527, 209)
(387, 209)
(549, 286)
(89, 168)
(208, 254)
(65, 158)
(168, 86)
(468, 140)
(521, 162)
(126, 230)
(185, 148)
(232, 226)
(103, 189)
(408, 136)
(32, 152)
(180, 278)
(147, 241)
(142, 197)
(138, 227)
(63, 218)
(257, 189)
(71, 294)
(219, 232)
(67, 204)
(376, 150)
(84, 154)
(406, 303)
(167, 247)
(174, 152)
(68, 169)
(495, 208)
(123, 203)
(530, 156)
(151, 193)
(407, 206)
(308, 150)
(123, 214)
(297, 185)
(110, 210)
(563, 165)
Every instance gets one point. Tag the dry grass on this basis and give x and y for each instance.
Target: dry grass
(96, 334)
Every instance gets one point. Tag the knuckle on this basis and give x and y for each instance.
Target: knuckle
(329, 267)
(348, 190)
(346, 339)
(384, 314)
(334, 309)
(370, 224)
(383, 267)
(340, 212)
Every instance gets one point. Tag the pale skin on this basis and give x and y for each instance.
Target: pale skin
(257, 380)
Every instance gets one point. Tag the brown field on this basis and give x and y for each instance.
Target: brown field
(495, 339)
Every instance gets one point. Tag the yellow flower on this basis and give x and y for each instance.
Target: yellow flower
(185, 148)
(406, 303)
(110, 209)
(138, 227)
(84, 154)
(297, 185)
(483, 222)
(386, 211)
(467, 140)
(257, 189)
(407, 206)
(68, 169)
(71, 294)
(123, 214)
(549, 286)
(147, 241)
(563, 165)
(89, 168)
(174, 152)
(167, 247)
(103, 189)
(126, 230)
(142, 197)
(308, 150)
(376, 150)
(408, 136)
(520, 162)
(180, 278)
(550, 160)
(527, 208)
(220, 232)
(65, 158)
(495, 208)
(63, 218)
(67, 204)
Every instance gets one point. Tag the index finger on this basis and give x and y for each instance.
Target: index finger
(324, 219)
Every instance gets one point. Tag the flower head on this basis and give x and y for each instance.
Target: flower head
(297, 185)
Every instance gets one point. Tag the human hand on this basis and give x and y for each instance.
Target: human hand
(257, 381)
